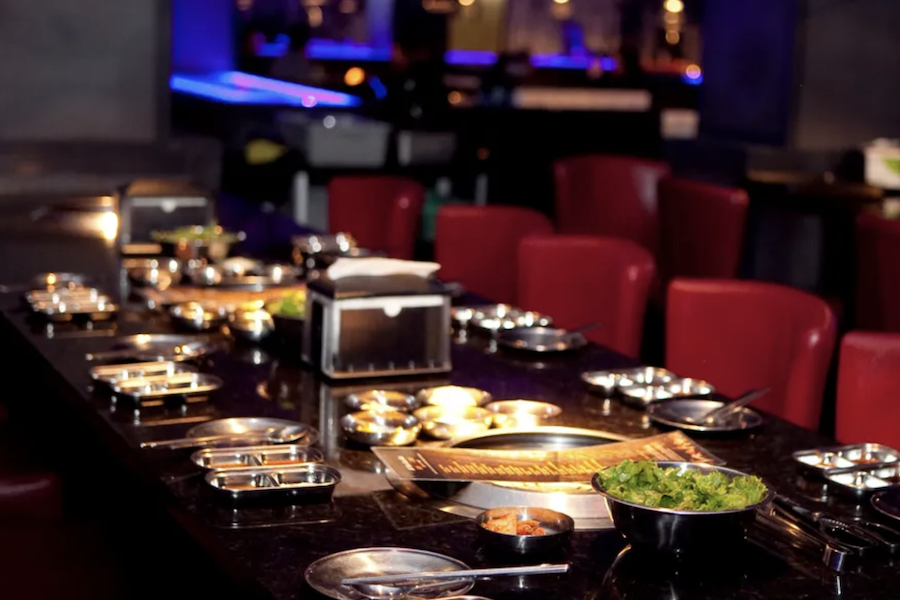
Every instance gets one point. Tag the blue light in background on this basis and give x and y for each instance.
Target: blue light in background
(234, 87)
(692, 79)
(323, 49)
(470, 57)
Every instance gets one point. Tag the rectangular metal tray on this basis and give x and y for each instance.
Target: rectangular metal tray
(310, 482)
(279, 456)
(63, 294)
(167, 386)
(821, 461)
(100, 310)
(864, 482)
(114, 373)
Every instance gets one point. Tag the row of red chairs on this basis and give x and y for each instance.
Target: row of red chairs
(694, 229)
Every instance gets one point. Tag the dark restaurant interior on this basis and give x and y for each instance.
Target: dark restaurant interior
(464, 299)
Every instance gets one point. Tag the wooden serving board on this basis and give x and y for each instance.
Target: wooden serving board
(182, 294)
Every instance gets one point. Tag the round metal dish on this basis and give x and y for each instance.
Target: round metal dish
(675, 413)
(676, 531)
(522, 414)
(253, 428)
(325, 575)
(250, 325)
(382, 401)
(199, 316)
(381, 428)
(239, 266)
(887, 502)
(445, 423)
(577, 500)
(541, 339)
(558, 527)
(453, 396)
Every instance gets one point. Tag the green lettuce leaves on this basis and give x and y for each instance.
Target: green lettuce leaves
(646, 483)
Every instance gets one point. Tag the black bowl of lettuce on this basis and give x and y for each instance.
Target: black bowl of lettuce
(681, 508)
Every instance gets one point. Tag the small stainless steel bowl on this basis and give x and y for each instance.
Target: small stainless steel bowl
(521, 414)
(205, 274)
(681, 532)
(280, 273)
(382, 401)
(499, 317)
(240, 266)
(381, 428)
(251, 325)
(199, 316)
(453, 396)
(557, 525)
(447, 422)
(642, 395)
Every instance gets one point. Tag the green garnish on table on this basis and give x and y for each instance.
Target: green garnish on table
(646, 483)
(292, 305)
(196, 233)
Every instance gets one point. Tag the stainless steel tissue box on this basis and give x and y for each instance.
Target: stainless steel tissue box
(149, 205)
(360, 327)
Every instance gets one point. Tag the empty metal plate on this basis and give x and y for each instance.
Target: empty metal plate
(641, 395)
(325, 575)
(688, 414)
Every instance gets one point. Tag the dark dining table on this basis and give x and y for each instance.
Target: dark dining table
(262, 553)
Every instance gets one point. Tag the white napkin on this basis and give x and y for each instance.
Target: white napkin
(375, 266)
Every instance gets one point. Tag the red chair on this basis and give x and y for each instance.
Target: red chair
(877, 274)
(478, 246)
(868, 373)
(382, 213)
(701, 229)
(578, 280)
(743, 335)
(612, 196)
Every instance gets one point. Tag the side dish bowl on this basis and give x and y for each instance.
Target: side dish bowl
(679, 532)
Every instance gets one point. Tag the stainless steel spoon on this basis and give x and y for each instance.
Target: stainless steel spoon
(543, 569)
(730, 408)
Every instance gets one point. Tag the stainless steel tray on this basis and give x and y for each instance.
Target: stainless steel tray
(256, 457)
(102, 309)
(155, 347)
(497, 317)
(607, 382)
(310, 482)
(864, 482)
(820, 461)
(257, 279)
(578, 500)
(55, 296)
(114, 373)
(167, 386)
(540, 339)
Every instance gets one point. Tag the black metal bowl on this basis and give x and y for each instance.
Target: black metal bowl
(289, 330)
(681, 532)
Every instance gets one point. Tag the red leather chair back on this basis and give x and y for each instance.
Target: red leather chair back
(701, 229)
(877, 273)
(478, 246)
(382, 213)
(868, 373)
(581, 279)
(612, 196)
(743, 335)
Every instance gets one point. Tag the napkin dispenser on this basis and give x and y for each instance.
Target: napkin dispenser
(377, 326)
(148, 205)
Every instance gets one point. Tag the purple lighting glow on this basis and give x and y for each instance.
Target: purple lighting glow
(234, 87)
